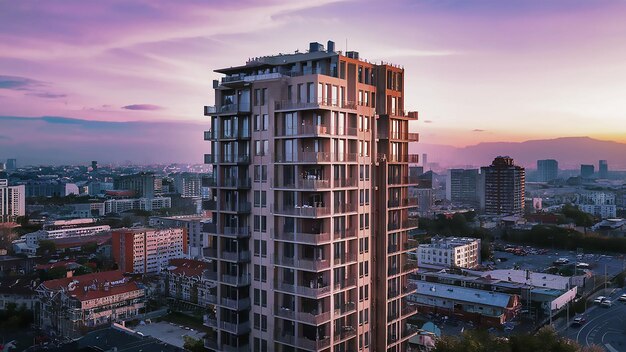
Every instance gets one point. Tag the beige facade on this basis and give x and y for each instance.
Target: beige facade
(310, 204)
(12, 201)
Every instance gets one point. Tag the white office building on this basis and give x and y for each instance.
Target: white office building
(447, 252)
(598, 203)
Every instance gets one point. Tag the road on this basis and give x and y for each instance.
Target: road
(605, 327)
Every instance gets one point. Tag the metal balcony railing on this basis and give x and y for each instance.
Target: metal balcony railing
(243, 280)
(312, 291)
(235, 304)
(303, 157)
(241, 256)
(345, 258)
(302, 183)
(236, 232)
(302, 342)
(303, 237)
(345, 233)
(310, 264)
(304, 210)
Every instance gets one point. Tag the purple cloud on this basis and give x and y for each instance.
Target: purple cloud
(48, 95)
(478, 130)
(18, 83)
(148, 107)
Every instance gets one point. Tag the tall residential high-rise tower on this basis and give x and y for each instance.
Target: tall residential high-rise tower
(309, 197)
(547, 170)
(504, 187)
(603, 169)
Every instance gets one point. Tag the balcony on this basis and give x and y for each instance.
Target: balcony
(302, 237)
(303, 157)
(409, 331)
(209, 228)
(210, 158)
(410, 244)
(345, 208)
(211, 344)
(302, 211)
(345, 309)
(402, 203)
(346, 258)
(302, 342)
(409, 288)
(313, 291)
(239, 183)
(345, 284)
(413, 137)
(347, 332)
(302, 183)
(404, 225)
(227, 109)
(345, 157)
(235, 328)
(208, 135)
(306, 130)
(287, 105)
(345, 233)
(409, 268)
(235, 304)
(236, 232)
(311, 318)
(210, 253)
(302, 264)
(241, 159)
(231, 280)
(237, 134)
(238, 257)
(229, 348)
(210, 321)
(240, 208)
(346, 182)
(240, 79)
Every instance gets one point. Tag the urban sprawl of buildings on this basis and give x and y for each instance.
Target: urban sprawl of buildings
(300, 231)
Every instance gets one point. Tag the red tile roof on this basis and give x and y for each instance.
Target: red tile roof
(187, 267)
(92, 286)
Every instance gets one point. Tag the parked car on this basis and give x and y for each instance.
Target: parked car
(606, 303)
(578, 321)
(561, 261)
(599, 299)
(622, 298)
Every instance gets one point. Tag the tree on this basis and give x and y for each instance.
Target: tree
(46, 247)
(192, 344)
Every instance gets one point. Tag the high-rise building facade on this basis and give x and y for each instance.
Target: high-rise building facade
(603, 169)
(147, 251)
(310, 205)
(586, 171)
(12, 201)
(547, 170)
(145, 184)
(11, 164)
(462, 186)
(504, 187)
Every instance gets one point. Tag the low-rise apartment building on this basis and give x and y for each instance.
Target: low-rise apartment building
(448, 252)
(74, 305)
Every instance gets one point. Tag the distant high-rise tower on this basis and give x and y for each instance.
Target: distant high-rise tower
(603, 169)
(425, 160)
(11, 164)
(462, 186)
(587, 171)
(504, 187)
(547, 170)
(12, 201)
(94, 165)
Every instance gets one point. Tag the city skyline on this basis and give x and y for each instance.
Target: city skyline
(534, 62)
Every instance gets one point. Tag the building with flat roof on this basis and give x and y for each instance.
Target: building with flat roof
(310, 201)
(148, 251)
(449, 252)
(603, 169)
(12, 201)
(72, 306)
(587, 171)
(547, 170)
(462, 186)
(145, 184)
(598, 203)
(187, 282)
(504, 187)
(486, 308)
(195, 225)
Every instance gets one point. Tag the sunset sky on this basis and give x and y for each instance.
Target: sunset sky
(476, 71)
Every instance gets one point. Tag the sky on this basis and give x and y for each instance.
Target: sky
(476, 70)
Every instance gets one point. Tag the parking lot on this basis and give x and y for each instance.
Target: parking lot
(535, 261)
(169, 332)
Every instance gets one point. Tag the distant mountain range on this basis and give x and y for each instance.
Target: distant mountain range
(61, 140)
(570, 152)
